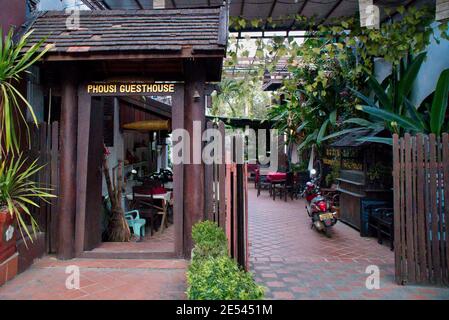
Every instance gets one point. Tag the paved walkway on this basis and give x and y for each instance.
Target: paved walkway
(100, 279)
(294, 262)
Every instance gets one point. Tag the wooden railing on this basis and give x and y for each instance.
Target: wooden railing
(421, 194)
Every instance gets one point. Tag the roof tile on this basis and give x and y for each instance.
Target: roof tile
(131, 30)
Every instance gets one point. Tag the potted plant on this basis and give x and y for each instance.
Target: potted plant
(18, 191)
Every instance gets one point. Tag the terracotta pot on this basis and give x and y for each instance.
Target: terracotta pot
(7, 235)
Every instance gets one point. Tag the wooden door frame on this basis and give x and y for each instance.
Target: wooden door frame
(83, 140)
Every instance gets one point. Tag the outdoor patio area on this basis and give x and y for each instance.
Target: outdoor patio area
(295, 262)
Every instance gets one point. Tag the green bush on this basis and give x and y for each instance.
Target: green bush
(220, 278)
(209, 239)
(212, 274)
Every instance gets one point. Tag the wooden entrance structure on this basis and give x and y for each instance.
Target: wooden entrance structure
(137, 50)
(421, 212)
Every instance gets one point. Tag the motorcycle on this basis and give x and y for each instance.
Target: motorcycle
(318, 207)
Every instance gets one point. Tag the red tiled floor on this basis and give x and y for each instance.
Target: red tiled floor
(294, 262)
(100, 279)
(158, 242)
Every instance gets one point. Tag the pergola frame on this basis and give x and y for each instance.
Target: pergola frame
(271, 10)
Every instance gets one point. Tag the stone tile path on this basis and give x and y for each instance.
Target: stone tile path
(294, 262)
(100, 279)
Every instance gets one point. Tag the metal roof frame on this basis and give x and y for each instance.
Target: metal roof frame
(264, 9)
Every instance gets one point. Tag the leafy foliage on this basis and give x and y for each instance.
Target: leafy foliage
(316, 95)
(413, 120)
(212, 274)
(340, 55)
(18, 191)
(209, 239)
(221, 279)
(13, 63)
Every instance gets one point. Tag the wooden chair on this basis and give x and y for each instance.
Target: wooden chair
(381, 222)
(263, 183)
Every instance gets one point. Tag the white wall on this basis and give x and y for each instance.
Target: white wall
(437, 61)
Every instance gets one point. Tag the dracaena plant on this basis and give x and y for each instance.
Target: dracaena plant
(414, 121)
(14, 63)
(18, 191)
(390, 107)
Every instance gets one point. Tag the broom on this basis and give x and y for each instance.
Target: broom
(118, 229)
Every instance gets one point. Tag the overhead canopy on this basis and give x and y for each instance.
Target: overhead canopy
(324, 10)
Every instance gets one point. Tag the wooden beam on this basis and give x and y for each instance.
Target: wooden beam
(139, 4)
(334, 7)
(194, 111)
(300, 11)
(270, 13)
(84, 114)
(105, 5)
(178, 178)
(133, 56)
(242, 7)
(68, 172)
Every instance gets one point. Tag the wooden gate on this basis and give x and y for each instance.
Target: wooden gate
(45, 147)
(421, 192)
(227, 200)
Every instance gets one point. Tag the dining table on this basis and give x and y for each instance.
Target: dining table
(166, 202)
(276, 176)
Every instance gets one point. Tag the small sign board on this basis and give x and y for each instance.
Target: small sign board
(129, 88)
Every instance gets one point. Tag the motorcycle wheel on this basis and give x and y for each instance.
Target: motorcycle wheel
(327, 232)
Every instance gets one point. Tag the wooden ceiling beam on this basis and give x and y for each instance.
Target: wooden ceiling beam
(242, 7)
(139, 4)
(273, 5)
(334, 7)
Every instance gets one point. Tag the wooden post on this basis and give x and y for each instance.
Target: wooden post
(69, 122)
(178, 176)
(194, 110)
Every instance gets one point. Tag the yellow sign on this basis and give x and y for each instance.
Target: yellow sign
(129, 88)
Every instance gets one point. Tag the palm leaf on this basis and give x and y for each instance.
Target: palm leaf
(439, 103)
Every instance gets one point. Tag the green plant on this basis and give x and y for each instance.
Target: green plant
(212, 274)
(18, 191)
(219, 278)
(333, 175)
(209, 239)
(414, 121)
(299, 167)
(14, 62)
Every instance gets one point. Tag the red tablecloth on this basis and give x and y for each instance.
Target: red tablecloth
(276, 176)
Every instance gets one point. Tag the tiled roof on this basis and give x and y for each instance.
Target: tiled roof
(133, 30)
